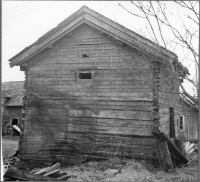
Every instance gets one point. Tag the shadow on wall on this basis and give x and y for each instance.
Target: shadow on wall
(50, 113)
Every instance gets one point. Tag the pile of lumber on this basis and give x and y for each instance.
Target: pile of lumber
(190, 147)
(191, 151)
(51, 173)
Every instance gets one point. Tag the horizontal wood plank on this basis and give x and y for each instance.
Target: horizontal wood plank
(137, 71)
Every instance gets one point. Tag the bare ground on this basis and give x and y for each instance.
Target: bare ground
(114, 169)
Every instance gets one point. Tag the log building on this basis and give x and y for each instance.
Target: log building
(94, 90)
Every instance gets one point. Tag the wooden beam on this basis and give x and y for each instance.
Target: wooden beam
(51, 172)
(23, 175)
(46, 170)
(164, 155)
(64, 177)
(167, 155)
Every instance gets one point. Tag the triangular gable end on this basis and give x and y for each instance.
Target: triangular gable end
(97, 21)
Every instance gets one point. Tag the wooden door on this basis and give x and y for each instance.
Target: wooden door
(172, 127)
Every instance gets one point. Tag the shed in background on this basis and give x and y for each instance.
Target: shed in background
(12, 93)
(188, 120)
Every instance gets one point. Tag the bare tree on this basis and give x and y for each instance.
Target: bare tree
(180, 36)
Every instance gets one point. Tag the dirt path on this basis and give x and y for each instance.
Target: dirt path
(9, 145)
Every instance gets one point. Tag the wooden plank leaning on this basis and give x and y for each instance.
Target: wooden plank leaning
(164, 155)
(172, 147)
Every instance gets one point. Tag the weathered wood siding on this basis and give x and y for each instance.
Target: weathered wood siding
(168, 97)
(112, 114)
(190, 128)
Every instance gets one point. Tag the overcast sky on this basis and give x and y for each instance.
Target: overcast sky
(23, 22)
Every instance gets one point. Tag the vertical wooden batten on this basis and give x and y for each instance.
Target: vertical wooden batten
(156, 87)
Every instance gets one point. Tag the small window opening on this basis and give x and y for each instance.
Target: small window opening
(14, 121)
(15, 128)
(85, 55)
(181, 80)
(85, 75)
(181, 122)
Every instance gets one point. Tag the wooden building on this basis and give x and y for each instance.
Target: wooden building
(12, 93)
(92, 90)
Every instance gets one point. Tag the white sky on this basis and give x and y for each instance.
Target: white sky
(23, 22)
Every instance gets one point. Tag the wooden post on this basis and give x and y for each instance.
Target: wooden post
(156, 85)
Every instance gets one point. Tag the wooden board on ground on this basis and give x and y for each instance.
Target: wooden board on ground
(26, 176)
(46, 170)
(51, 172)
(64, 177)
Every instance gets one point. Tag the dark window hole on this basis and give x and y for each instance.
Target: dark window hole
(14, 121)
(85, 55)
(85, 75)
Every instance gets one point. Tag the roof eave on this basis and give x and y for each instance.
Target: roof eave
(35, 49)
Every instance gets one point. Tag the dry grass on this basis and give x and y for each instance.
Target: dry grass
(128, 170)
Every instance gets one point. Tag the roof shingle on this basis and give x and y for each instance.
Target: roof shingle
(14, 90)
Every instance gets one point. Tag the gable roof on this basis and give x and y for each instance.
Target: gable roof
(12, 93)
(98, 21)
